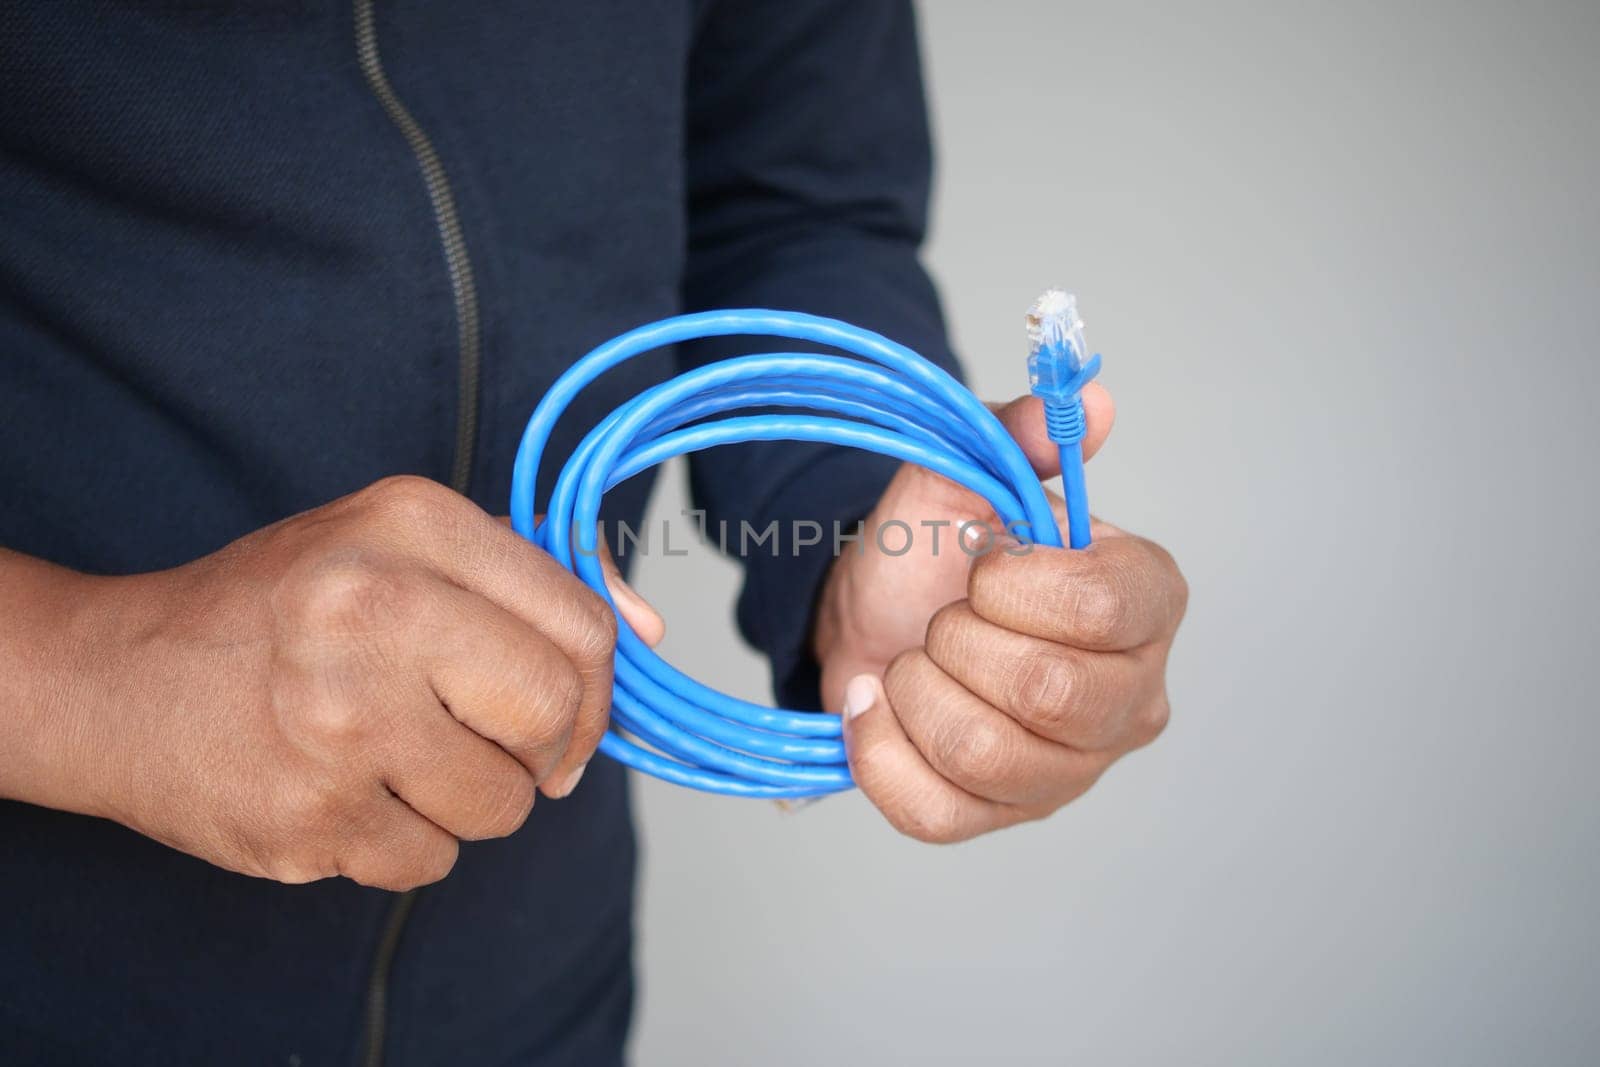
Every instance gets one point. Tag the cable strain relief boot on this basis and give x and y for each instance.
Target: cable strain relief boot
(1064, 420)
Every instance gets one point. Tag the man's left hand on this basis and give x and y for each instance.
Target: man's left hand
(984, 690)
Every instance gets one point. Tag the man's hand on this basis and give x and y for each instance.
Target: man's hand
(983, 692)
(348, 692)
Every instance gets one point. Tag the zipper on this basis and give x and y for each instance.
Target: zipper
(448, 221)
(464, 293)
(376, 1016)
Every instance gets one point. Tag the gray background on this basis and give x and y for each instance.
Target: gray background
(1343, 262)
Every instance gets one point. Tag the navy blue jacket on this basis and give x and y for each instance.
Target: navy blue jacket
(254, 255)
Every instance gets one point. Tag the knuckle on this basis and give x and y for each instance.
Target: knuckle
(902, 679)
(1152, 719)
(540, 748)
(435, 862)
(946, 625)
(516, 804)
(1150, 570)
(350, 590)
(293, 870)
(1044, 689)
(588, 631)
(598, 637)
(379, 866)
(931, 819)
(363, 870)
(990, 579)
(546, 727)
(489, 799)
(326, 724)
(1071, 788)
(978, 753)
(410, 500)
(279, 851)
(548, 691)
(536, 703)
(1177, 583)
(1096, 604)
(562, 686)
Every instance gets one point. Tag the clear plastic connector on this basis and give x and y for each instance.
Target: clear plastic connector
(1056, 349)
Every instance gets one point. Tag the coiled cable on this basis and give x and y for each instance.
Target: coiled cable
(887, 400)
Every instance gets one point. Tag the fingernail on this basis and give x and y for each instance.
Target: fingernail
(859, 695)
(571, 781)
(632, 603)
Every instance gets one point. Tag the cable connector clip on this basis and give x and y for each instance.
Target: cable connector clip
(1059, 363)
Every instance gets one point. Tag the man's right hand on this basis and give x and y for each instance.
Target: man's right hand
(351, 691)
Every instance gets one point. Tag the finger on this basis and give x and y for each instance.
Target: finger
(1084, 700)
(468, 547)
(505, 681)
(915, 798)
(1117, 594)
(648, 625)
(397, 849)
(455, 778)
(1023, 419)
(434, 525)
(979, 748)
(637, 612)
(645, 621)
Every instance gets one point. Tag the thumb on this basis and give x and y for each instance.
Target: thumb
(874, 740)
(1023, 419)
(643, 619)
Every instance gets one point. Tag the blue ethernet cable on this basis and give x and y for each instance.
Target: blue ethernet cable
(887, 400)
(1059, 366)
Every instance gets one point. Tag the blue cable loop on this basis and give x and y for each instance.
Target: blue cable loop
(888, 400)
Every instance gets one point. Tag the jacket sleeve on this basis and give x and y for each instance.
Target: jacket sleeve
(809, 163)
